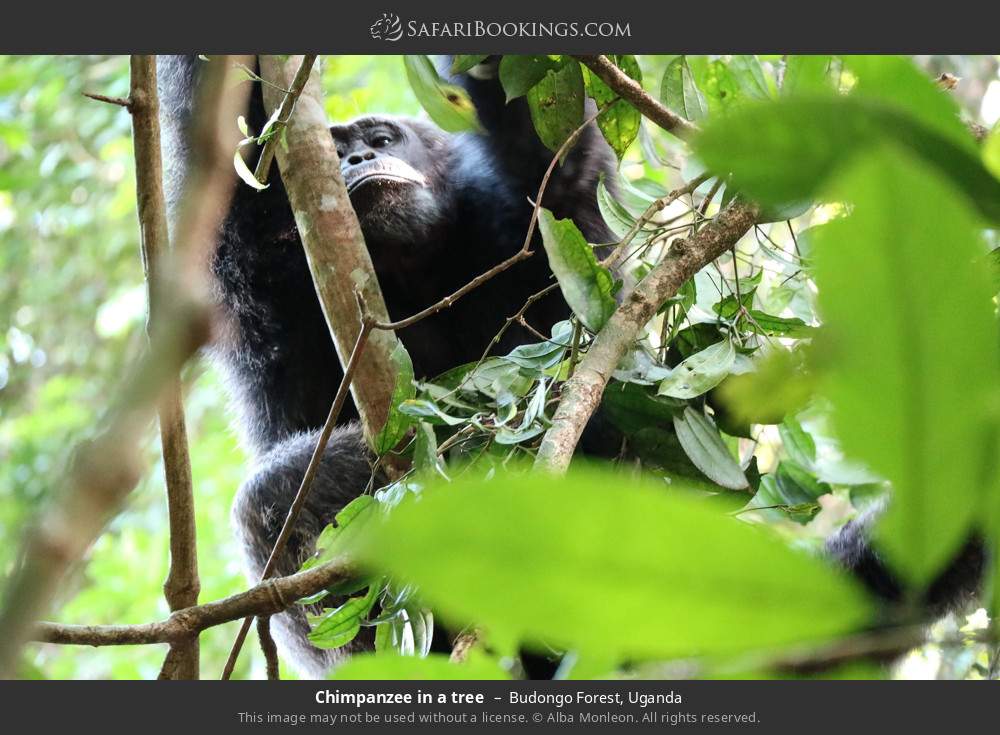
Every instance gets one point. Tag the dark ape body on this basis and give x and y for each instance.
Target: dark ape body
(426, 238)
(436, 210)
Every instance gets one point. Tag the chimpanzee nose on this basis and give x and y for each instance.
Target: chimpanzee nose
(355, 158)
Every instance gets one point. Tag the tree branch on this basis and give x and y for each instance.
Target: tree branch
(629, 89)
(182, 585)
(581, 394)
(267, 598)
(331, 237)
(282, 116)
(105, 469)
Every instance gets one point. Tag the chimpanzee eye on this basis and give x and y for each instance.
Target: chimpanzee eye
(381, 140)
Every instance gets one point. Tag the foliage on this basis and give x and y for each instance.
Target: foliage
(754, 420)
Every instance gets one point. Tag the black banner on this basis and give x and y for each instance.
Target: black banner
(812, 707)
(513, 26)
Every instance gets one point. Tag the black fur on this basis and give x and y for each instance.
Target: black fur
(425, 242)
(953, 588)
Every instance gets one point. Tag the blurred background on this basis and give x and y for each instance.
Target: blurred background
(72, 307)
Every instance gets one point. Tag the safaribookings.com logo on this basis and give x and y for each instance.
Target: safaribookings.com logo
(390, 28)
(387, 28)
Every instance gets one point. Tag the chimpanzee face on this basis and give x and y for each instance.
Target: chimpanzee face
(393, 169)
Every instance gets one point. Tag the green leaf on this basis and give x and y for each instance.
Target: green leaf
(897, 81)
(339, 627)
(463, 62)
(604, 566)
(911, 398)
(518, 73)
(437, 666)
(778, 326)
(806, 74)
(423, 409)
(786, 151)
(447, 104)
(778, 386)
(699, 373)
(397, 422)
(704, 446)
(679, 92)
(336, 537)
(556, 103)
(244, 172)
(991, 152)
(750, 76)
(584, 283)
(620, 122)
(798, 443)
(425, 456)
(633, 407)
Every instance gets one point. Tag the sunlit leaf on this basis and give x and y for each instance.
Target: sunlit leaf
(911, 399)
(620, 122)
(603, 565)
(680, 93)
(699, 373)
(447, 105)
(520, 73)
(244, 172)
(556, 103)
(585, 284)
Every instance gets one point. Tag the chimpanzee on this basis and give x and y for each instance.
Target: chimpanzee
(436, 209)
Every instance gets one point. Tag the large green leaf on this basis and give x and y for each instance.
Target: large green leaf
(447, 104)
(679, 91)
(911, 397)
(701, 372)
(556, 103)
(620, 122)
(519, 73)
(602, 565)
(584, 283)
(705, 448)
(785, 151)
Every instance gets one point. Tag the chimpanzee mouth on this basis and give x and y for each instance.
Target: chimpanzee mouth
(382, 169)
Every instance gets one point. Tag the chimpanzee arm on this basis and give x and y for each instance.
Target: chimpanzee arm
(523, 158)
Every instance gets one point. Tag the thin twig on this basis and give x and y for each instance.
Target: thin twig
(119, 101)
(522, 254)
(651, 211)
(281, 117)
(268, 647)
